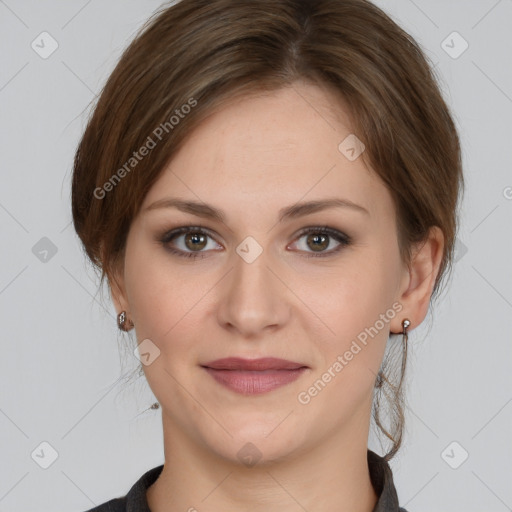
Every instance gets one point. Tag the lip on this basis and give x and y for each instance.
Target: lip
(254, 376)
(263, 363)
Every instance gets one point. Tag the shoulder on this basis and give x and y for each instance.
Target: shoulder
(135, 499)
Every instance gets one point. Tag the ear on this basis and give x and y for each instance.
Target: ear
(418, 281)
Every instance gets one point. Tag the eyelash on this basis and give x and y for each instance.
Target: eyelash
(343, 240)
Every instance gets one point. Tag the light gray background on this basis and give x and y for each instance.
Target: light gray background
(60, 362)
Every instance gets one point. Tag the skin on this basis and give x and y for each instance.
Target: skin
(269, 150)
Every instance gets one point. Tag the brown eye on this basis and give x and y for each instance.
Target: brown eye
(317, 242)
(192, 242)
(189, 242)
(318, 239)
(195, 241)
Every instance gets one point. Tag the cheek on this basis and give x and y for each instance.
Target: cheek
(356, 305)
(351, 355)
(152, 290)
(353, 295)
(167, 304)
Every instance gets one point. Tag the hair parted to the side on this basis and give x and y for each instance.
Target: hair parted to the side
(202, 53)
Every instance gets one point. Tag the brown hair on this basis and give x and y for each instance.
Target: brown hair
(191, 57)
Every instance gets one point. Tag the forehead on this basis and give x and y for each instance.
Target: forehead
(274, 149)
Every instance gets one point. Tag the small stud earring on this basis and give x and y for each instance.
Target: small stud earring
(123, 322)
(405, 325)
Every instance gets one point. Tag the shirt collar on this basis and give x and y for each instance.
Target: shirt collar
(382, 481)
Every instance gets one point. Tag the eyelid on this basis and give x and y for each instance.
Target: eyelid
(323, 229)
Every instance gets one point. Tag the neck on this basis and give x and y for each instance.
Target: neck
(333, 476)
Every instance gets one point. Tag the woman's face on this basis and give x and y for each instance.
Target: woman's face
(253, 285)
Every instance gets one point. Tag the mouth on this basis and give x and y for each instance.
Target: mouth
(254, 376)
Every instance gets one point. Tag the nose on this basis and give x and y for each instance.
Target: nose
(253, 298)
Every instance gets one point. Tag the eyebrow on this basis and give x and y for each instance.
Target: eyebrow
(290, 212)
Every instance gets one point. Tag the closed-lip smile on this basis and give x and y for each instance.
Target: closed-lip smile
(254, 376)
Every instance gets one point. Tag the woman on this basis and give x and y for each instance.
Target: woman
(270, 189)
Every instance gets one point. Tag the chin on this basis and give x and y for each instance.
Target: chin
(255, 442)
